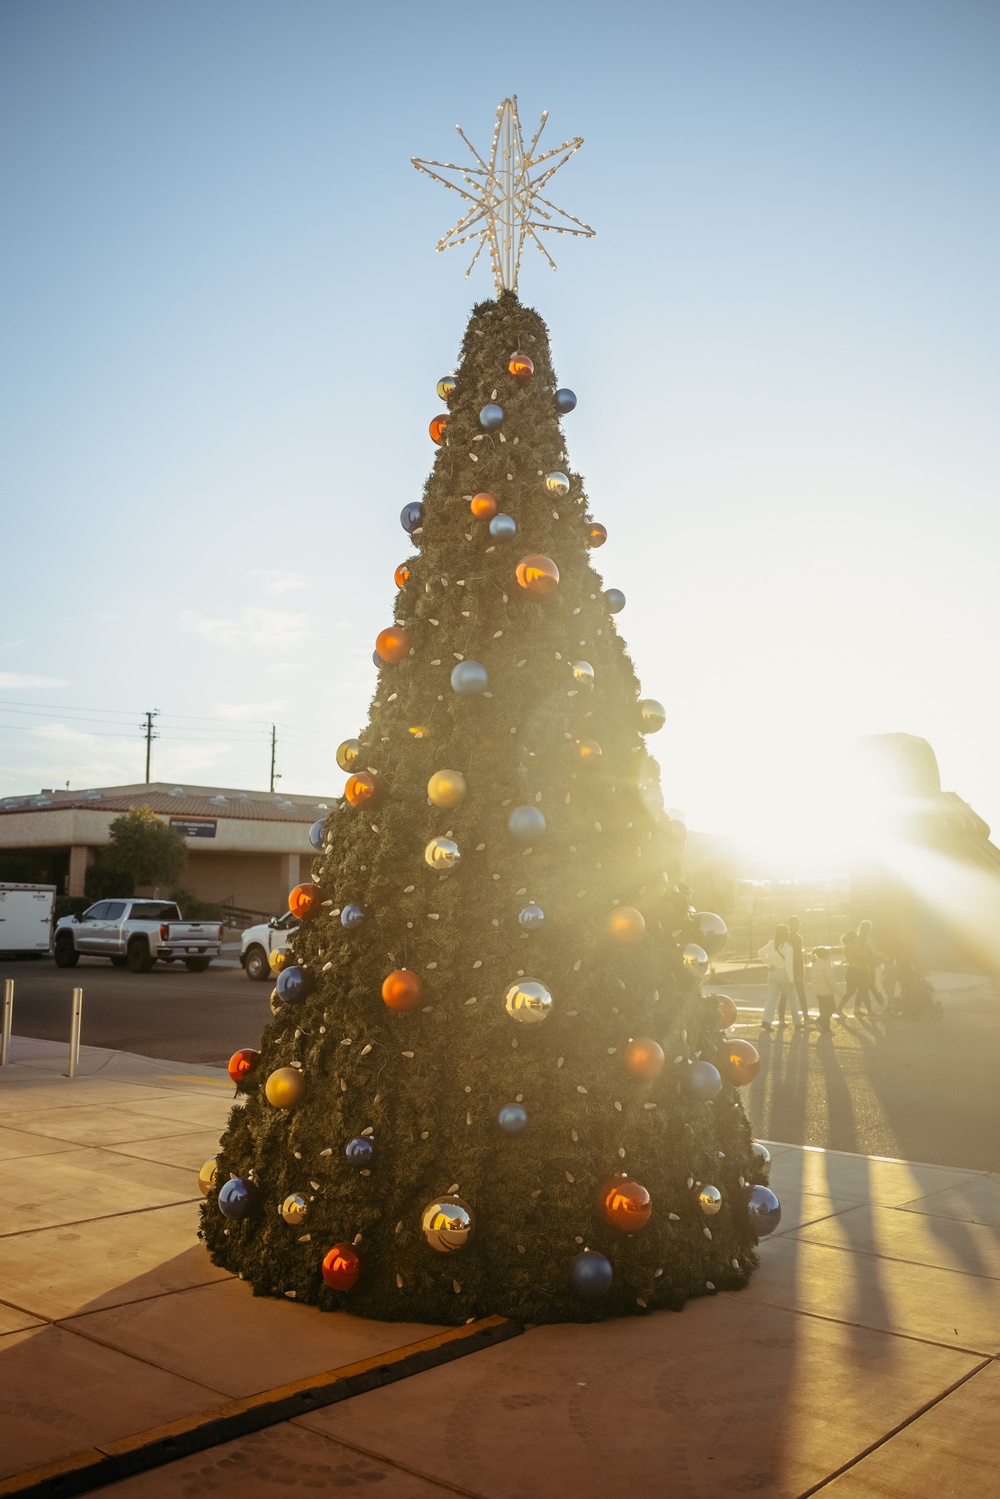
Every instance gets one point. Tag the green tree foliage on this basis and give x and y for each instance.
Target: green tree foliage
(430, 1083)
(103, 881)
(144, 849)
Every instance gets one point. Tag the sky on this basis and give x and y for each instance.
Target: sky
(223, 319)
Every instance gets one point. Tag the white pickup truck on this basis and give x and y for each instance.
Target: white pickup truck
(134, 934)
(259, 942)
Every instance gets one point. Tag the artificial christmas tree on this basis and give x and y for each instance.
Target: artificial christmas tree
(492, 1083)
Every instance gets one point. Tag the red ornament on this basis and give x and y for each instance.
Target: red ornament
(342, 1267)
(739, 1063)
(521, 367)
(242, 1063)
(483, 506)
(363, 790)
(393, 644)
(644, 1058)
(626, 924)
(403, 989)
(537, 574)
(625, 1204)
(726, 1009)
(402, 574)
(437, 427)
(304, 901)
(596, 534)
(589, 753)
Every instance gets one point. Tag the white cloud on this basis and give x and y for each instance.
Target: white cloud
(278, 582)
(23, 679)
(266, 630)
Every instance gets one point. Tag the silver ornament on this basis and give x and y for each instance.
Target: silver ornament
(447, 1224)
(528, 1001)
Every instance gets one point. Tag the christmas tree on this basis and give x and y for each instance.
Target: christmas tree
(493, 1083)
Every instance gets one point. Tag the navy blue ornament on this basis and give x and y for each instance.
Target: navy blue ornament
(526, 824)
(316, 834)
(764, 1210)
(512, 1118)
(503, 527)
(491, 417)
(294, 984)
(352, 917)
(376, 659)
(565, 401)
(360, 1152)
(704, 1080)
(531, 918)
(411, 517)
(237, 1198)
(591, 1275)
(615, 600)
(469, 679)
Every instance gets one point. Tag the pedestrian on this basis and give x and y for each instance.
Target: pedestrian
(798, 964)
(856, 976)
(874, 961)
(824, 982)
(777, 954)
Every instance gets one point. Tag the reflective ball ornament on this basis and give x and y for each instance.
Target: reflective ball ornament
(469, 679)
(526, 824)
(279, 959)
(709, 1200)
(208, 1176)
(583, 673)
(237, 1198)
(521, 367)
(242, 1063)
(285, 1088)
(726, 1011)
(626, 924)
(411, 517)
(695, 959)
(530, 918)
(761, 1154)
(537, 575)
(615, 600)
(652, 715)
(739, 1062)
(363, 790)
(591, 1275)
(491, 417)
(446, 387)
(376, 659)
(557, 484)
(644, 1058)
(528, 1002)
(352, 917)
(503, 527)
(317, 834)
(447, 1224)
(348, 754)
(442, 855)
(341, 1268)
(402, 989)
(704, 1081)
(447, 789)
(625, 1204)
(596, 534)
(437, 426)
(274, 1002)
(393, 645)
(295, 1209)
(360, 1153)
(513, 1119)
(305, 901)
(764, 1211)
(565, 401)
(589, 754)
(483, 506)
(714, 934)
(402, 574)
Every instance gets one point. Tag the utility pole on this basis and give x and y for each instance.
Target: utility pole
(147, 729)
(274, 747)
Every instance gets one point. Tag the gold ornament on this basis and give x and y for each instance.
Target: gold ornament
(208, 1176)
(589, 753)
(275, 1002)
(537, 574)
(557, 484)
(528, 1001)
(294, 1209)
(442, 854)
(279, 959)
(695, 959)
(446, 387)
(447, 788)
(710, 1201)
(626, 924)
(652, 715)
(348, 754)
(447, 1224)
(644, 1058)
(285, 1088)
(583, 673)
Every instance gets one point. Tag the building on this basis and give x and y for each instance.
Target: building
(246, 849)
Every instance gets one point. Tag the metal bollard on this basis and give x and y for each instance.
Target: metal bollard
(8, 1016)
(74, 1033)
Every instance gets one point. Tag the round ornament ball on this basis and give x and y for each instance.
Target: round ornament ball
(625, 1204)
(652, 715)
(348, 754)
(393, 645)
(363, 790)
(242, 1063)
(285, 1088)
(360, 1152)
(376, 659)
(469, 679)
(419, 731)
(704, 1081)
(521, 367)
(278, 960)
(317, 833)
(726, 1011)
(764, 1211)
(709, 1200)
(446, 387)
(352, 916)
(503, 527)
(442, 854)
(557, 484)
(402, 574)
(644, 1058)
(447, 1224)
(341, 1268)
(739, 1062)
(528, 1002)
(483, 506)
(714, 934)
(437, 426)
(537, 575)
(208, 1176)
(530, 917)
(491, 417)
(411, 517)
(295, 1209)
(591, 1275)
(237, 1198)
(615, 600)
(305, 901)
(402, 989)
(447, 789)
(583, 673)
(526, 824)
(626, 924)
(513, 1119)
(274, 1002)
(695, 959)
(761, 1154)
(589, 754)
(596, 534)
(565, 401)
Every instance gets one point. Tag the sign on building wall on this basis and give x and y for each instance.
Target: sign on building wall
(193, 829)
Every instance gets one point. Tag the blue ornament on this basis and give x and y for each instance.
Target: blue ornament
(469, 678)
(565, 401)
(764, 1210)
(376, 659)
(503, 527)
(491, 417)
(411, 517)
(531, 918)
(526, 824)
(615, 600)
(294, 984)
(704, 1080)
(512, 1118)
(591, 1275)
(352, 917)
(360, 1152)
(237, 1198)
(316, 834)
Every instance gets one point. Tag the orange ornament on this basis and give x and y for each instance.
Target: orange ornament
(363, 790)
(242, 1063)
(305, 901)
(483, 506)
(403, 989)
(727, 1011)
(537, 574)
(626, 924)
(521, 367)
(597, 534)
(437, 427)
(393, 644)
(625, 1204)
(589, 753)
(644, 1058)
(342, 1267)
(402, 574)
(739, 1062)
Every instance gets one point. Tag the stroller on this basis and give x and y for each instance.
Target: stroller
(910, 996)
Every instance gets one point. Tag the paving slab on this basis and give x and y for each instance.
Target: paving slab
(892, 1233)
(867, 1178)
(13, 1319)
(97, 1123)
(189, 1151)
(799, 1208)
(976, 1200)
(19, 1144)
(76, 1185)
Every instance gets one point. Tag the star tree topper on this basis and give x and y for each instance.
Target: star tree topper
(507, 202)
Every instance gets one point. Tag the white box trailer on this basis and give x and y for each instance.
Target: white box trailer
(26, 920)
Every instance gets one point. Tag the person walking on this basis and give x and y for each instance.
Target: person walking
(873, 963)
(824, 983)
(798, 964)
(856, 976)
(777, 954)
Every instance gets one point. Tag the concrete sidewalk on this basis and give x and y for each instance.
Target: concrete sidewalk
(864, 1359)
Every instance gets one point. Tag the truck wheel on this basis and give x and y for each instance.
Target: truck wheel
(118, 962)
(65, 954)
(196, 965)
(138, 956)
(256, 964)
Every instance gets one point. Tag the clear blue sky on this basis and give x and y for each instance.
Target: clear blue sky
(223, 319)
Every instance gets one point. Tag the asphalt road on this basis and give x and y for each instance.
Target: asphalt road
(918, 1090)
